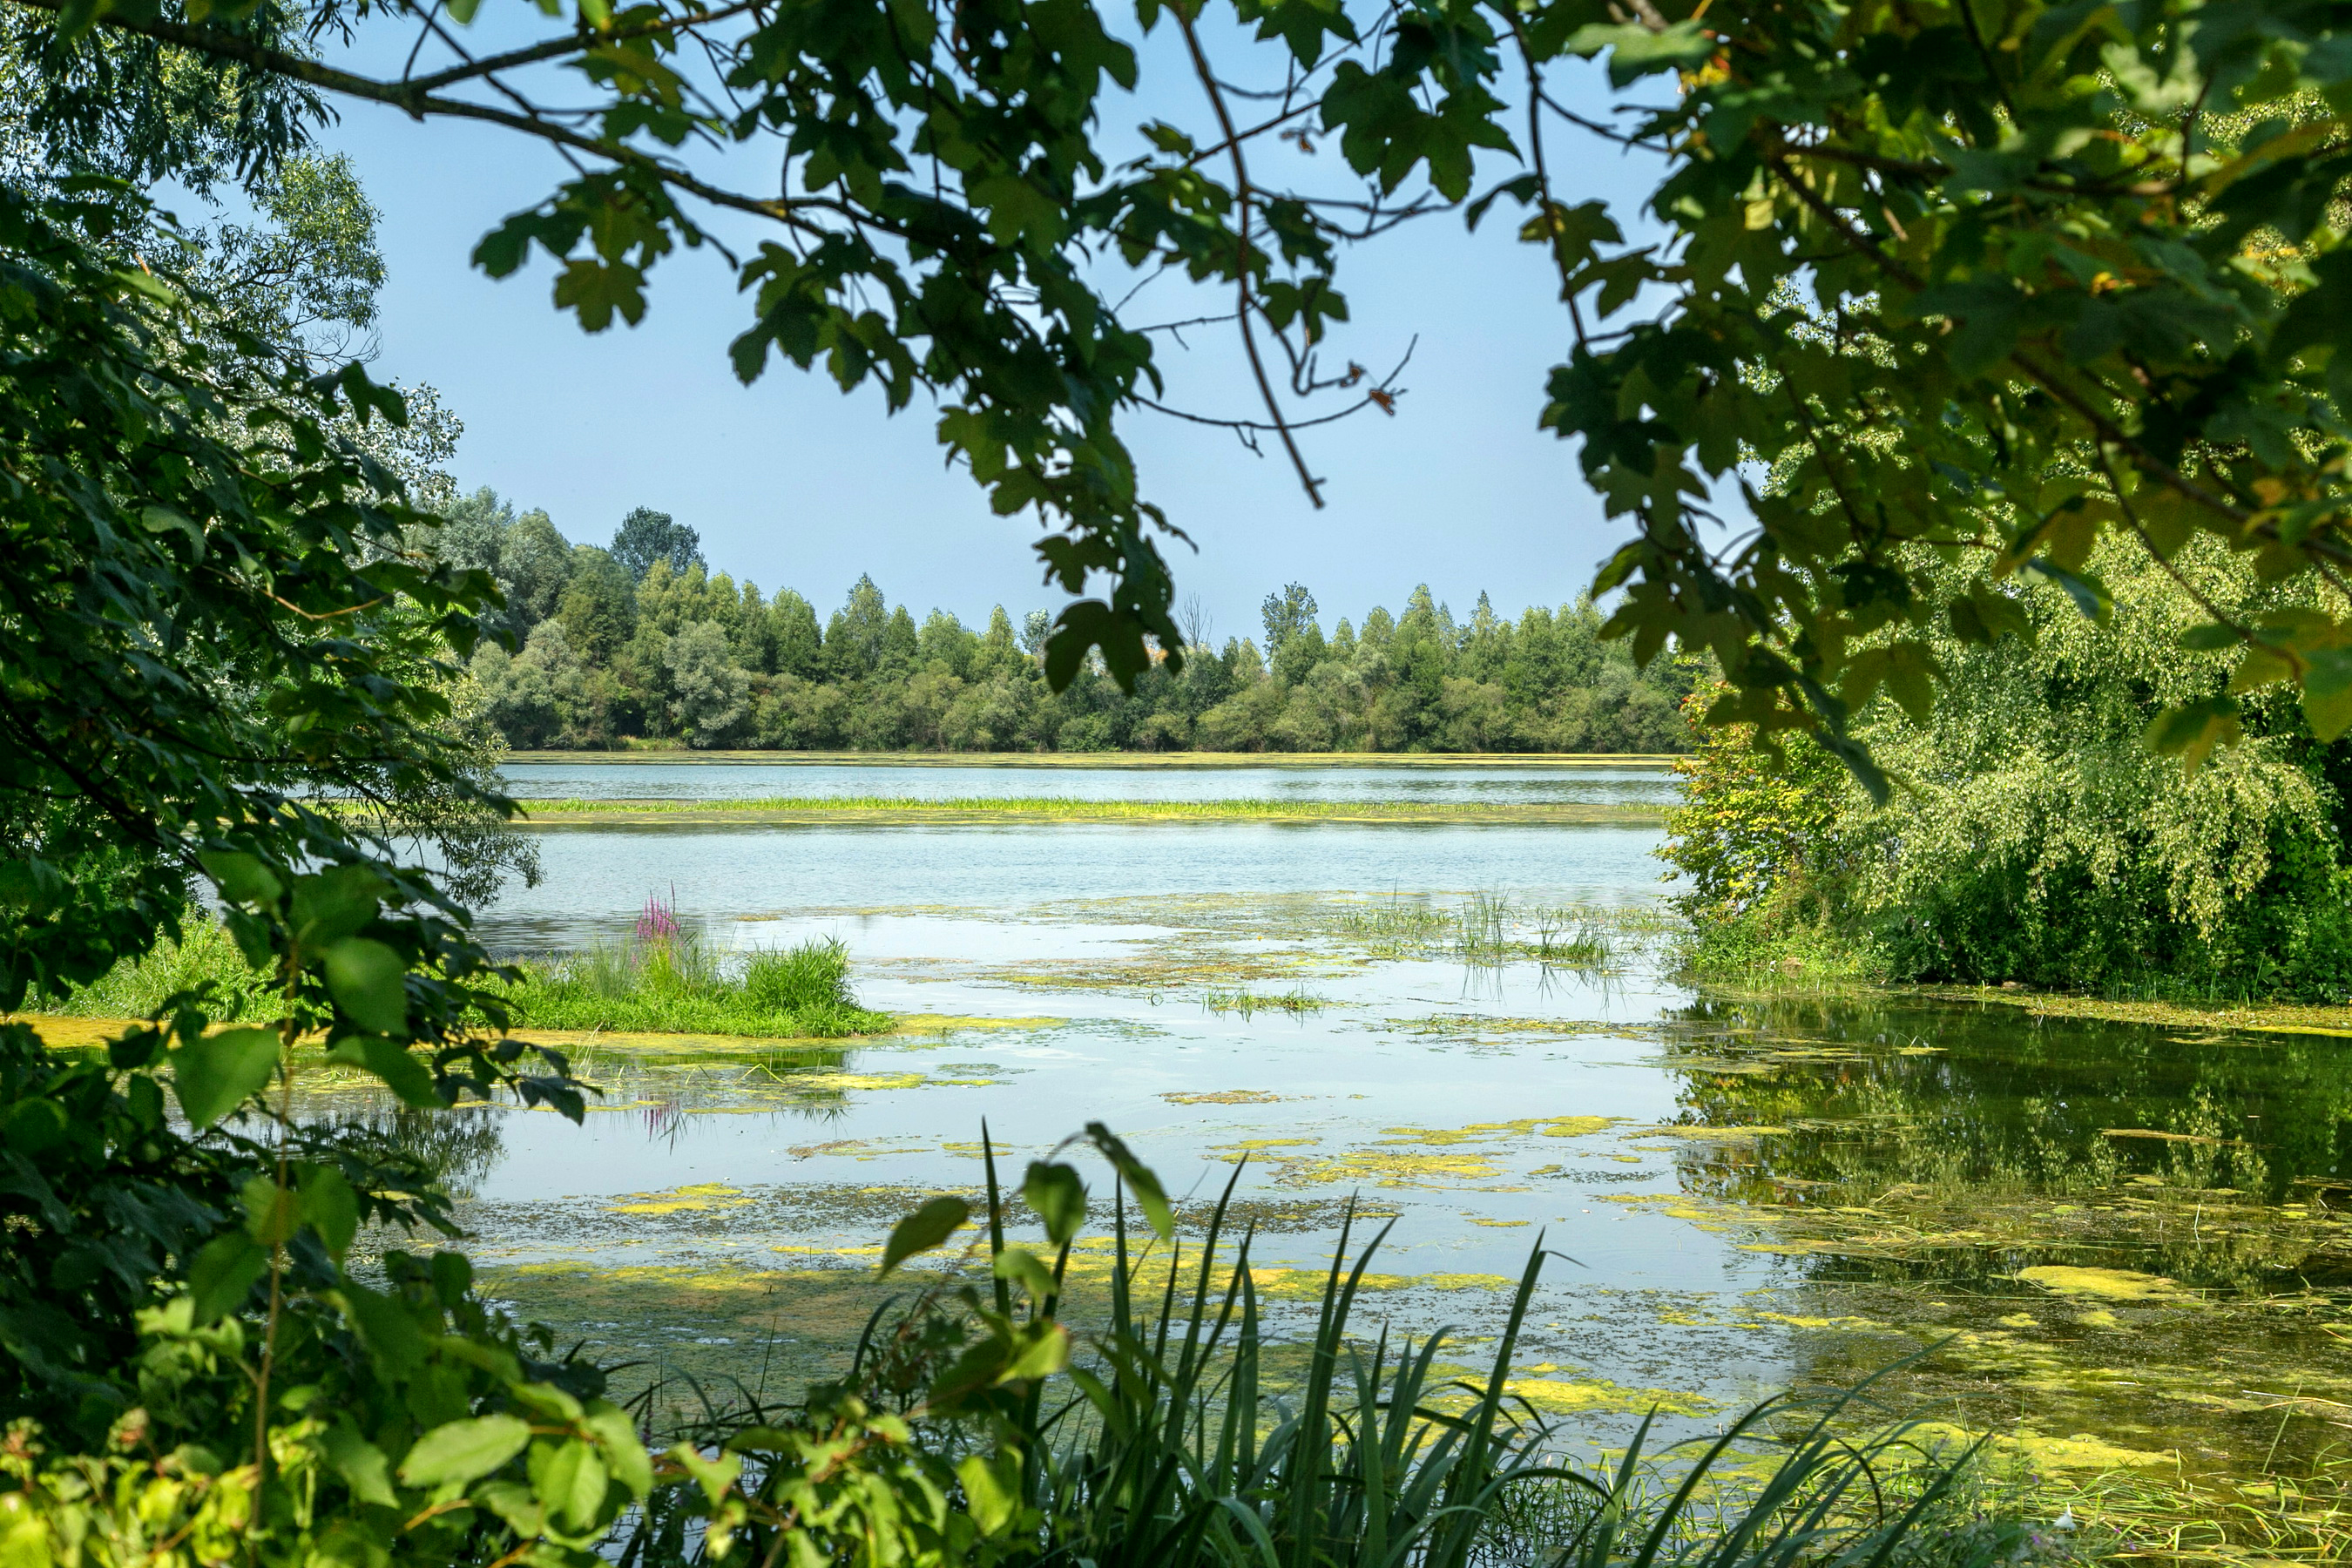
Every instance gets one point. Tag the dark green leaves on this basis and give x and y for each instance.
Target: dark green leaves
(926, 1228)
(1059, 1199)
(215, 1075)
(367, 981)
(1635, 51)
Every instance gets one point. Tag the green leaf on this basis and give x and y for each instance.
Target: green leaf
(2090, 594)
(334, 904)
(361, 1463)
(462, 1452)
(928, 1227)
(365, 979)
(991, 1489)
(241, 879)
(1141, 1181)
(624, 1453)
(571, 1482)
(330, 1206)
(1059, 1197)
(223, 1273)
(2194, 730)
(221, 1072)
(385, 1327)
(271, 1211)
(2327, 692)
(1635, 51)
(402, 1071)
(1022, 1266)
(713, 1476)
(30, 1126)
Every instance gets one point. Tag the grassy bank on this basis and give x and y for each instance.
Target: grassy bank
(675, 984)
(671, 983)
(204, 956)
(822, 810)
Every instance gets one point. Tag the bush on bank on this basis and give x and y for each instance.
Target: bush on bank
(2034, 835)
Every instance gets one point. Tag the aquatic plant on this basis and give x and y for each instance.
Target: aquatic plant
(680, 983)
(1297, 1002)
(657, 922)
(1178, 1430)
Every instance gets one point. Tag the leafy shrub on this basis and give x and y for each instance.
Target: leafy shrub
(679, 982)
(2032, 835)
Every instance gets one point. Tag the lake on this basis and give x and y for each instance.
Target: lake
(2114, 1247)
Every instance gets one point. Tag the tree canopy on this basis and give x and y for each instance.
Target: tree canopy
(1997, 278)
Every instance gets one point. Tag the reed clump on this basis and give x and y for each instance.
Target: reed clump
(1178, 1427)
(667, 978)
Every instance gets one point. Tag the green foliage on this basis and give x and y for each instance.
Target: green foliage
(2010, 277)
(2000, 279)
(2033, 837)
(202, 956)
(711, 663)
(677, 983)
(1174, 1426)
(646, 536)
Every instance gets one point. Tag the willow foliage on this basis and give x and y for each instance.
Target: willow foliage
(2031, 834)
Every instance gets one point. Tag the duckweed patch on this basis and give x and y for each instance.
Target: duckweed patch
(1222, 1097)
(2110, 1284)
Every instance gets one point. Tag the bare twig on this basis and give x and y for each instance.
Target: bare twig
(1241, 269)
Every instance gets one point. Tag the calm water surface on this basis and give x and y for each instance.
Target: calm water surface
(2120, 1241)
(743, 781)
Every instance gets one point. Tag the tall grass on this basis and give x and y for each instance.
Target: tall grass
(679, 983)
(664, 979)
(1297, 1002)
(136, 988)
(1189, 1433)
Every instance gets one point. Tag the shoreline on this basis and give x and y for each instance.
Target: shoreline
(865, 810)
(1644, 761)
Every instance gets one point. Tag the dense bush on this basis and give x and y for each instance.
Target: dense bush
(2032, 835)
(689, 656)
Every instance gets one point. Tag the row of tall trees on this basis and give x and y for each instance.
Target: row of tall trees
(645, 641)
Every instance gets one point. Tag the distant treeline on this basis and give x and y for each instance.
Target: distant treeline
(644, 641)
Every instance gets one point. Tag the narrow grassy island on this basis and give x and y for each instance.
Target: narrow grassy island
(679, 983)
(910, 811)
(665, 977)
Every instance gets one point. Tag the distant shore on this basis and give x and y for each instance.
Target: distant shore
(1644, 761)
(847, 810)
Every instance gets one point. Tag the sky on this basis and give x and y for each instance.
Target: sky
(791, 483)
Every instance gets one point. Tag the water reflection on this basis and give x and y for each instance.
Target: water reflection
(2112, 1229)
(1483, 785)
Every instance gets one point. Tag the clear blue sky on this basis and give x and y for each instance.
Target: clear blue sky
(792, 484)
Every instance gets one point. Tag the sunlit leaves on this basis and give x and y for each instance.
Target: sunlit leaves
(2081, 357)
(460, 1452)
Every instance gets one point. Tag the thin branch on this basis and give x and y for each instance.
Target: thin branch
(581, 41)
(1205, 153)
(1241, 269)
(2105, 428)
(790, 211)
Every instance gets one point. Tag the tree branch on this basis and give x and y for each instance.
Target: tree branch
(1242, 271)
